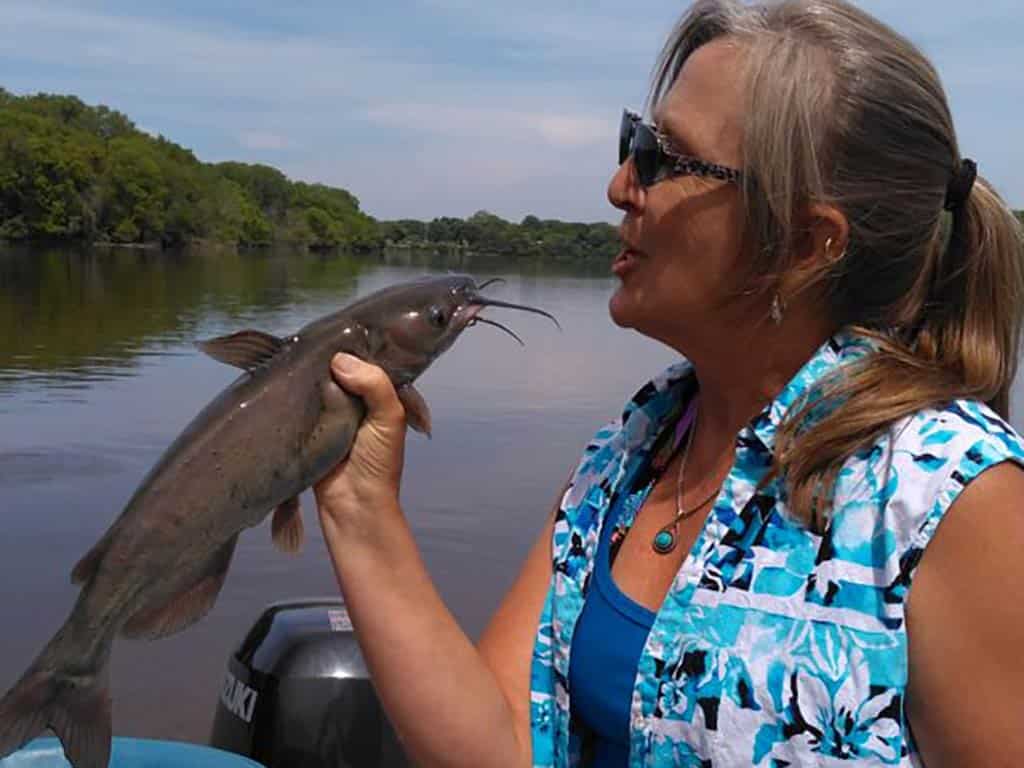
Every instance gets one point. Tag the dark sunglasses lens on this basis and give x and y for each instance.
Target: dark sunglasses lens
(645, 155)
(625, 136)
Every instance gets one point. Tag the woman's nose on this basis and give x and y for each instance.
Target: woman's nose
(624, 190)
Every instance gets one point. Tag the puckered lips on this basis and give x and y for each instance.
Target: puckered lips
(626, 260)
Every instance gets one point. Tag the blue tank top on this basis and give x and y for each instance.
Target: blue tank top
(606, 648)
(610, 637)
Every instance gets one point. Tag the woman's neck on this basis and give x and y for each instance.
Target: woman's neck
(741, 372)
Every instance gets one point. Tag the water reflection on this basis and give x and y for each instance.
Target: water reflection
(69, 319)
(98, 374)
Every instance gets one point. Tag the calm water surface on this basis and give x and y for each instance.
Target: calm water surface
(98, 374)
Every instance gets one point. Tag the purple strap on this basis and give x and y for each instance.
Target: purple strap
(684, 423)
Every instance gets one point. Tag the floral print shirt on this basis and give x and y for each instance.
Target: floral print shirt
(775, 646)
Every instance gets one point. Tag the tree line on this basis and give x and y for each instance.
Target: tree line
(74, 172)
(69, 171)
(484, 232)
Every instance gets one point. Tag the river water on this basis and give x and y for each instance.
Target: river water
(98, 374)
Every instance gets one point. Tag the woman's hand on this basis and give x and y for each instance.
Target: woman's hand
(473, 707)
(365, 484)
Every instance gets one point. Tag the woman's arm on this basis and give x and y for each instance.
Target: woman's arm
(965, 626)
(451, 704)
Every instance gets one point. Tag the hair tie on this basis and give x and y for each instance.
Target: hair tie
(960, 185)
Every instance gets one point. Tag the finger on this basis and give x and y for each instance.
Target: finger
(369, 382)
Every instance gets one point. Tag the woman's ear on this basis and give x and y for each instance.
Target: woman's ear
(828, 233)
(825, 233)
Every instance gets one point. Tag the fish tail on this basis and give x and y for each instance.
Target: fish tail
(74, 703)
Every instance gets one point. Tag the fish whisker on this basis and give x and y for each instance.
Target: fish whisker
(492, 281)
(483, 302)
(485, 321)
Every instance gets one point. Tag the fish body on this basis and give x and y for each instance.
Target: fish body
(274, 432)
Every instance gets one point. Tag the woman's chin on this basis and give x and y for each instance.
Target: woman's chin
(627, 313)
(620, 309)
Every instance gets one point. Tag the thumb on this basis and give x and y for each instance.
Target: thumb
(369, 382)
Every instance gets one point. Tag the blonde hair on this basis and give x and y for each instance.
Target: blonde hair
(842, 110)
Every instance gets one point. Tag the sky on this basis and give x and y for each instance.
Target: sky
(425, 108)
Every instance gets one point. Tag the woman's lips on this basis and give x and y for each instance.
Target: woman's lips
(625, 261)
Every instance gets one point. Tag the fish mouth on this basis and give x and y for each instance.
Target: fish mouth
(469, 313)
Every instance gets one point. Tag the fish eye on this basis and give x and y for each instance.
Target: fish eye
(438, 318)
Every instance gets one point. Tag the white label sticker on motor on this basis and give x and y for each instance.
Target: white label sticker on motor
(238, 698)
(340, 622)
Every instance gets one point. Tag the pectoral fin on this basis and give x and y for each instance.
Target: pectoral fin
(188, 605)
(245, 349)
(286, 526)
(417, 413)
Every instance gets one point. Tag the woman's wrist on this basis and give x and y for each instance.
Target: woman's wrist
(374, 521)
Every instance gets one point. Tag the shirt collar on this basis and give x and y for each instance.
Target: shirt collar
(648, 413)
(844, 347)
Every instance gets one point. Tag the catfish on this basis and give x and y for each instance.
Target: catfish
(271, 434)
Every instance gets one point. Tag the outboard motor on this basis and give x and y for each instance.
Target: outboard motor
(297, 693)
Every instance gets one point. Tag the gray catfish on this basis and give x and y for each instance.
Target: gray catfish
(274, 432)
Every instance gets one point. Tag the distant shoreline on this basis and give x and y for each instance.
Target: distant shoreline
(440, 249)
(86, 176)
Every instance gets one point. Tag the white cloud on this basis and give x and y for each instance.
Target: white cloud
(452, 106)
(576, 130)
(459, 139)
(506, 125)
(263, 141)
(101, 52)
(444, 177)
(577, 29)
(232, 66)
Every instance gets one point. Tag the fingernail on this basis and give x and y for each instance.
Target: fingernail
(345, 363)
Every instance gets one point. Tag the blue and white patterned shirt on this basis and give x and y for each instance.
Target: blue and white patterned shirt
(775, 645)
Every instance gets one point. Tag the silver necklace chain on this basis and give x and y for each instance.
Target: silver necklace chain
(666, 538)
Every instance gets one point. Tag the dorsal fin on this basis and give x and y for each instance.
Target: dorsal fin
(245, 349)
(87, 566)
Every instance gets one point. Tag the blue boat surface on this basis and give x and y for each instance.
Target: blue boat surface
(131, 753)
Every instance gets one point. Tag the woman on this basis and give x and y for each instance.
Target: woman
(726, 579)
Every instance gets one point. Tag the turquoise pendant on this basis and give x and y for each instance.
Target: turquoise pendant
(664, 541)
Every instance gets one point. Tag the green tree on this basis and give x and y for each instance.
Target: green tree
(136, 194)
(69, 170)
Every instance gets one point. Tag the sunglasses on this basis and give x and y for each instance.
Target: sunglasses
(654, 161)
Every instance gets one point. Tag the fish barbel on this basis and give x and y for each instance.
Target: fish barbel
(271, 434)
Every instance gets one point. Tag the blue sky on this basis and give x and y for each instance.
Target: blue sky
(425, 108)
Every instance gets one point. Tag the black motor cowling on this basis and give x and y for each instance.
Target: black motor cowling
(297, 693)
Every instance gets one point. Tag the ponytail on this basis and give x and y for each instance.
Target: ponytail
(963, 343)
(972, 326)
(988, 337)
